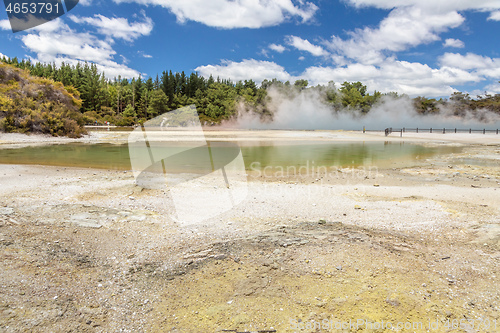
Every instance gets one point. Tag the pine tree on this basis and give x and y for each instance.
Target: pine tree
(129, 111)
(158, 103)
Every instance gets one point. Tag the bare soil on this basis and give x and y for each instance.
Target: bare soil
(85, 250)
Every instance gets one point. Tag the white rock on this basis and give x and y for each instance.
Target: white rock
(6, 211)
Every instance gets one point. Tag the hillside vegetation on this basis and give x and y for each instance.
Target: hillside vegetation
(30, 104)
(91, 98)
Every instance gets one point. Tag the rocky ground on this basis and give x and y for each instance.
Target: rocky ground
(86, 250)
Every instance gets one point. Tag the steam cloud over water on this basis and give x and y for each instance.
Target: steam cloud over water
(308, 110)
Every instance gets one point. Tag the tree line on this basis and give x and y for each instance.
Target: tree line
(127, 102)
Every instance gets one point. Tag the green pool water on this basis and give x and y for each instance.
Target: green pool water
(257, 155)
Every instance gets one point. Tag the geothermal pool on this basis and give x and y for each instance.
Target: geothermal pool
(257, 155)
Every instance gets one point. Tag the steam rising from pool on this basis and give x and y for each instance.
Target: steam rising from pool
(307, 110)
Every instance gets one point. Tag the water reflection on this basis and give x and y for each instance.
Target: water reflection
(297, 154)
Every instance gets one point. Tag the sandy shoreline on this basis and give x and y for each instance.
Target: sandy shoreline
(13, 140)
(87, 250)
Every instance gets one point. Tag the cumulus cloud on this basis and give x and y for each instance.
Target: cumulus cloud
(414, 79)
(481, 65)
(305, 45)
(256, 70)
(469, 61)
(50, 26)
(81, 46)
(401, 29)
(492, 89)
(277, 48)
(495, 16)
(43, 25)
(56, 42)
(451, 42)
(433, 5)
(370, 54)
(117, 27)
(229, 14)
(5, 25)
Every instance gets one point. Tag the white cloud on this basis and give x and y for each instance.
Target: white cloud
(117, 27)
(451, 42)
(5, 25)
(433, 5)
(370, 54)
(277, 47)
(468, 61)
(50, 26)
(413, 79)
(256, 70)
(491, 89)
(481, 65)
(43, 25)
(305, 45)
(57, 42)
(230, 14)
(81, 46)
(410, 78)
(401, 29)
(495, 16)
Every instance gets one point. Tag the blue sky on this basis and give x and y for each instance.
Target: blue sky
(418, 47)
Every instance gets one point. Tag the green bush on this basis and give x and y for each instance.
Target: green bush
(35, 105)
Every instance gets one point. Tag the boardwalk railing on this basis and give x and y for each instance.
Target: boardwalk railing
(390, 130)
